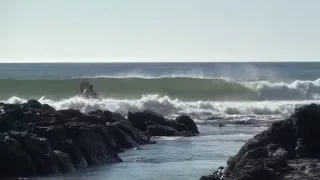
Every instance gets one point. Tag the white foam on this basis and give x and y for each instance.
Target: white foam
(297, 89)
(172, 107)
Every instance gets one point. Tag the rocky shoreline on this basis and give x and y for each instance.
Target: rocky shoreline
(37, 140)
(288, 150)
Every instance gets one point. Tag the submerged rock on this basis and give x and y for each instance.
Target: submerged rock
(289, 149)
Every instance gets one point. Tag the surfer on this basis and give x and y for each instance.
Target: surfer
(87, 90)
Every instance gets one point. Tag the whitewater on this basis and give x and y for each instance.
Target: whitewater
(230, 102)
(201, 98)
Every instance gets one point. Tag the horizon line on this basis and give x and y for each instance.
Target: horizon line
(119, 62)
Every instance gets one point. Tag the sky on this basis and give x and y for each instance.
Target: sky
(159, 30)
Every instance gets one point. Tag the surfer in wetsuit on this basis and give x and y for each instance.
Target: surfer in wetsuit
(87, 90)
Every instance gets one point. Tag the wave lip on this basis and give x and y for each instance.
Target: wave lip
(295, 90)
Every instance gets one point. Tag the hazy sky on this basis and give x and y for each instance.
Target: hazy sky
(159, 30)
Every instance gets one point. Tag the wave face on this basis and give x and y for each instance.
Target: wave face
(182, 88)
(129, 88)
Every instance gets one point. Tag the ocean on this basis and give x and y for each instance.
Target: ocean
(230, 103)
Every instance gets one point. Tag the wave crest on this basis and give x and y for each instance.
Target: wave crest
(296, 90)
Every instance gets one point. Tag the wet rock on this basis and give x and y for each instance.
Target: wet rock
(289, 149)
(158, 130)
(36, 139)
(139, 119)
(71, 112)
(14, 162)
(182, 125)
(34, 104)
(64, 161)
(188, 122)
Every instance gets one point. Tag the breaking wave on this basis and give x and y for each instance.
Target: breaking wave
(200, 110)
(183, 88)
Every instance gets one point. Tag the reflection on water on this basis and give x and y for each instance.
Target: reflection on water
(172, 158)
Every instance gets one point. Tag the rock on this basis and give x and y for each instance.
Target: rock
(39, 150)
(158, 130)
(304, 168)
(64, 161)
(188, 122)
(283, 133)
(58, 136)
(256, 153)
(105, 116)
(47, 108)
(14, 162)
(34, 104)
(92, 144)
(181, 126)
(280, 152)
(306, 120)
(139, 119)
(301, 150)
(71, 112)
(37, 140)
(217, 175)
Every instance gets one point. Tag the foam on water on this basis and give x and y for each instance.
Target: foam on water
(200, 110)
(298, 89)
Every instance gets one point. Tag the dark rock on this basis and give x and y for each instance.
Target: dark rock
(47, 108)
(34, 104)
(279, 153)
(217, 175)
(188, 122)
(37, 140)
(158, 130)
(283, 133)
(177, 126)
(139, 119)
(306, 120)
(92, 144)
(256, 153)
(39, 150)
(71, 112)
(14, 162)
(160, 126)
(106, 116)
(58, 136)
(64, 161)
(301, 150)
